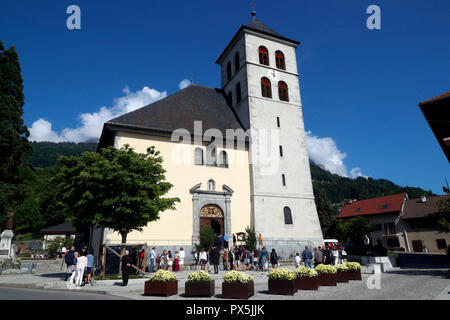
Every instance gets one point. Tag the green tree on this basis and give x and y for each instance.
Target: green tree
(207, 237)
(117, 189)
(250, 238)
(353, 230)
(14, 146)
(444, 214)
(327, 214)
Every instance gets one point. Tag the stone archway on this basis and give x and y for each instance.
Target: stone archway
(211, 215)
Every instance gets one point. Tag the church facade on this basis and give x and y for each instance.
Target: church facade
(236, 155)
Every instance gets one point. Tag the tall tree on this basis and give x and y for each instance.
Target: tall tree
(117, 189)
(444, 214)
(327, 214)
(14, 146)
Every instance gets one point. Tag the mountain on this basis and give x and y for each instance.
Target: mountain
(337, 188)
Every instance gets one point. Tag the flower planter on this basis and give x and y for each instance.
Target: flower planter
(354, 275)
(327, 279)
(342, 276)
(156, 288)
(237, 290)
(282, 287)
(304, 283)
(199, 289)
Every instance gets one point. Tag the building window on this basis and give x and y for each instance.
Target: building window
(287, 215)
(211, 185)
(281, 151)
(266, 89)
(236, 61)
(393, 243)
(389, 228)
(229, 70)
(211, 156)
(223, 159)
(283, 179)
(263, 55)
(238, 92)
(278, 122)
(385, 206)
(199, 156)
(230, 98)
(441, 244)
(283, 91)
(279, 58)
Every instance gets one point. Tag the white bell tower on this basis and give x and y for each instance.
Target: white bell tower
(259, 75)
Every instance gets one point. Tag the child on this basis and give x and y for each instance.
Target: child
(297, 260)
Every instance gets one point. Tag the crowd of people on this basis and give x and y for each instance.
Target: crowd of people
(80, 266)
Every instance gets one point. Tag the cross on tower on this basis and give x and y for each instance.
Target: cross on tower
(254, 10)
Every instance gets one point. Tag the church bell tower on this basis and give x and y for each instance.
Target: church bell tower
(260, 78)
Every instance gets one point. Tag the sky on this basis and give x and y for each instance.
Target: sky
(360, 88)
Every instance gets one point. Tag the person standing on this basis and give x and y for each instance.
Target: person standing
(196, 258)
(215, 258)
(203, 258)
(265, 258)
(153, 257)
(127, 261)
(70, 261)
(81, 267)
(90, 265)
(260, 240)
(344, 256)
(318, 256)
(182, 255)
(225, 259)
(335, 253)
(237, 259)
(274, 259)
(327, 255)
(307, 257)
(170, 261)
(297, 260)
(73, 277)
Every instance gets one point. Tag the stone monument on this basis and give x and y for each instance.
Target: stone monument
(6, 251)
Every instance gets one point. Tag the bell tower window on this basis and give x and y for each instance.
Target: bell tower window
(266, 90)
(283, 91)
(236, 61)
(263, 55)
(279, 59)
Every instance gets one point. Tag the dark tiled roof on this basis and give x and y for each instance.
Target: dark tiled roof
(386, 204)
(259, 26)
(415, 208)
(439, 97)
(181, 109)
(63, 228)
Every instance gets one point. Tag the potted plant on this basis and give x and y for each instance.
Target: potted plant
(281, 281)
(354, 270)
(342, 273)
(306, 279)
(327, 275)
(163, 283)
(199, 284)
(237, 285)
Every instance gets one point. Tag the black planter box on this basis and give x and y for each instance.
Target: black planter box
(327, 279)
(342, 276)
(199, 289)
(282, 287)
(237, 290)
(154, 288)
(354, 275)
(304, 283)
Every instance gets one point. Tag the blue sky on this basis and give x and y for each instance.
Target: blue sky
(360, 88)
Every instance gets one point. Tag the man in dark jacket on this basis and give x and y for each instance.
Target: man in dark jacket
(318, 256)
(307, 257)
(70, 261)
(126, 267)
(215, 258)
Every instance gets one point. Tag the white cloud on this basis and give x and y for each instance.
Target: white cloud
(324, 151)
(92, 123)
(184, 83)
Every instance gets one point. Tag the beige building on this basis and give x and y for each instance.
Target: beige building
(236, 155)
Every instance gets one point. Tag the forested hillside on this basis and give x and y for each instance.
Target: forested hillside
(45, 153)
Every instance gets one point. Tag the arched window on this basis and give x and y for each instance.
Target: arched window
(279, 59)
(199, 156)
(211, 185)
(230, 98)
(223, 159)
(238, 92)
(283, 91)
(263, 55)
(229, 70)
(211, 156)
(287, 215)
(266, 90)
(236, 61)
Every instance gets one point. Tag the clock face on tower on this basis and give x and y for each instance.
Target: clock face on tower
(274, 75)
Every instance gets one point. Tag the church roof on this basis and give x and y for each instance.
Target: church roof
(180, 110)
(259, 26)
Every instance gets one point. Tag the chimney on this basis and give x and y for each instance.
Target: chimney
(423, 199)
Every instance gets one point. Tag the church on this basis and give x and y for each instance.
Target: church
(236, 155)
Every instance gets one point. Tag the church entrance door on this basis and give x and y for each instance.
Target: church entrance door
(212, 216)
